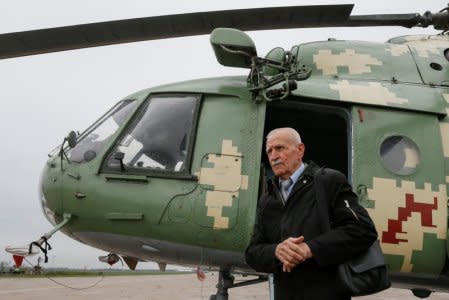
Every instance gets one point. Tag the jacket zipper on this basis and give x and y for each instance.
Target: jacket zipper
(349, 207)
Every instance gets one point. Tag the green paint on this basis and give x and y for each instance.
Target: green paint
(394, 262)
(432, 257)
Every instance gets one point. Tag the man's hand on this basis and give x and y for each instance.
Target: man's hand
(292, 252)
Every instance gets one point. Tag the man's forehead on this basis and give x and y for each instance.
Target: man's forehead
(277, 141)
(279, 137)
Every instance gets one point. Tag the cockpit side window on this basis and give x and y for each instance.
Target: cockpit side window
(160, 138)
(94, 139)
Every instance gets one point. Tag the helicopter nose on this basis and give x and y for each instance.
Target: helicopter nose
(48, 195)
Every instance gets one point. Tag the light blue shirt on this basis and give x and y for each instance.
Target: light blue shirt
(296, 175)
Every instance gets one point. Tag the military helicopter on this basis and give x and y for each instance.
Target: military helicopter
(172, 174)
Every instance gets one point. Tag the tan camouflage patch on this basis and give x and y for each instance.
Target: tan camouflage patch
(427, 45)
(447, 179)
(215, 201)
(355, 62)
(411, 38)
(226, 174)
(404, 213)
(398, 50)
(226, 178)
(424, 50)
(444, 131)
(372, 92)
(425, 38)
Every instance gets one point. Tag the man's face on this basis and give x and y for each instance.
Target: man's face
(284, 155)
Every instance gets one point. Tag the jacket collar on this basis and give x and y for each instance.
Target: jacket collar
(308, 174)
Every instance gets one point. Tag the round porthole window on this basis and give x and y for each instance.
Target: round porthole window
(400, 155)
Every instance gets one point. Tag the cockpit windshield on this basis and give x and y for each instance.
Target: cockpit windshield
(93, 140)
(160, 137)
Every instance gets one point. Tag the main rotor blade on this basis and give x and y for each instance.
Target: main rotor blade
(405, 20)
(160, 27)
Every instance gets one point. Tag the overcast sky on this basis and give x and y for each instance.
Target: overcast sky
(44, 97)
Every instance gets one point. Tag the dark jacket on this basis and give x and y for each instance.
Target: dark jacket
(315, 278)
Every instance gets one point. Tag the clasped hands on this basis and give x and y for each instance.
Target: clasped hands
(291, 252)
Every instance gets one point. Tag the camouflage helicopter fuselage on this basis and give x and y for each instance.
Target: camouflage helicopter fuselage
(398, 88)
(393, 101)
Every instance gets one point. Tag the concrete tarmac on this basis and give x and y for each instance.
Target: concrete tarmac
(149, 287)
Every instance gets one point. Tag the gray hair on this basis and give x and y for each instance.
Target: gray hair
(293, 134)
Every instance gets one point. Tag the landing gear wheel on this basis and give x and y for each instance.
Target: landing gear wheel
(225, 281)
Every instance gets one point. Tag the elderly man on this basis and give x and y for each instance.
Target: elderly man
(289, 240)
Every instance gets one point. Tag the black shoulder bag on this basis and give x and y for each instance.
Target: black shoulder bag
(362, 275)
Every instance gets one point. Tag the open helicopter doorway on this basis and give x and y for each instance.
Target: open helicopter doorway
(324, 130)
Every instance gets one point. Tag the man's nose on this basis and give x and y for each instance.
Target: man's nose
(273, 155)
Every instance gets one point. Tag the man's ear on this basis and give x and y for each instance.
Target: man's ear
(301, 149)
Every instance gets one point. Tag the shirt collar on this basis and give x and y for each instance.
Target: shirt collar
(298, 173)
(294, 177)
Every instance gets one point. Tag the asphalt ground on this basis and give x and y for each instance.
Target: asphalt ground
(149, 287)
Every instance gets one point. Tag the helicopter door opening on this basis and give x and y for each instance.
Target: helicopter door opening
(324, 130)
